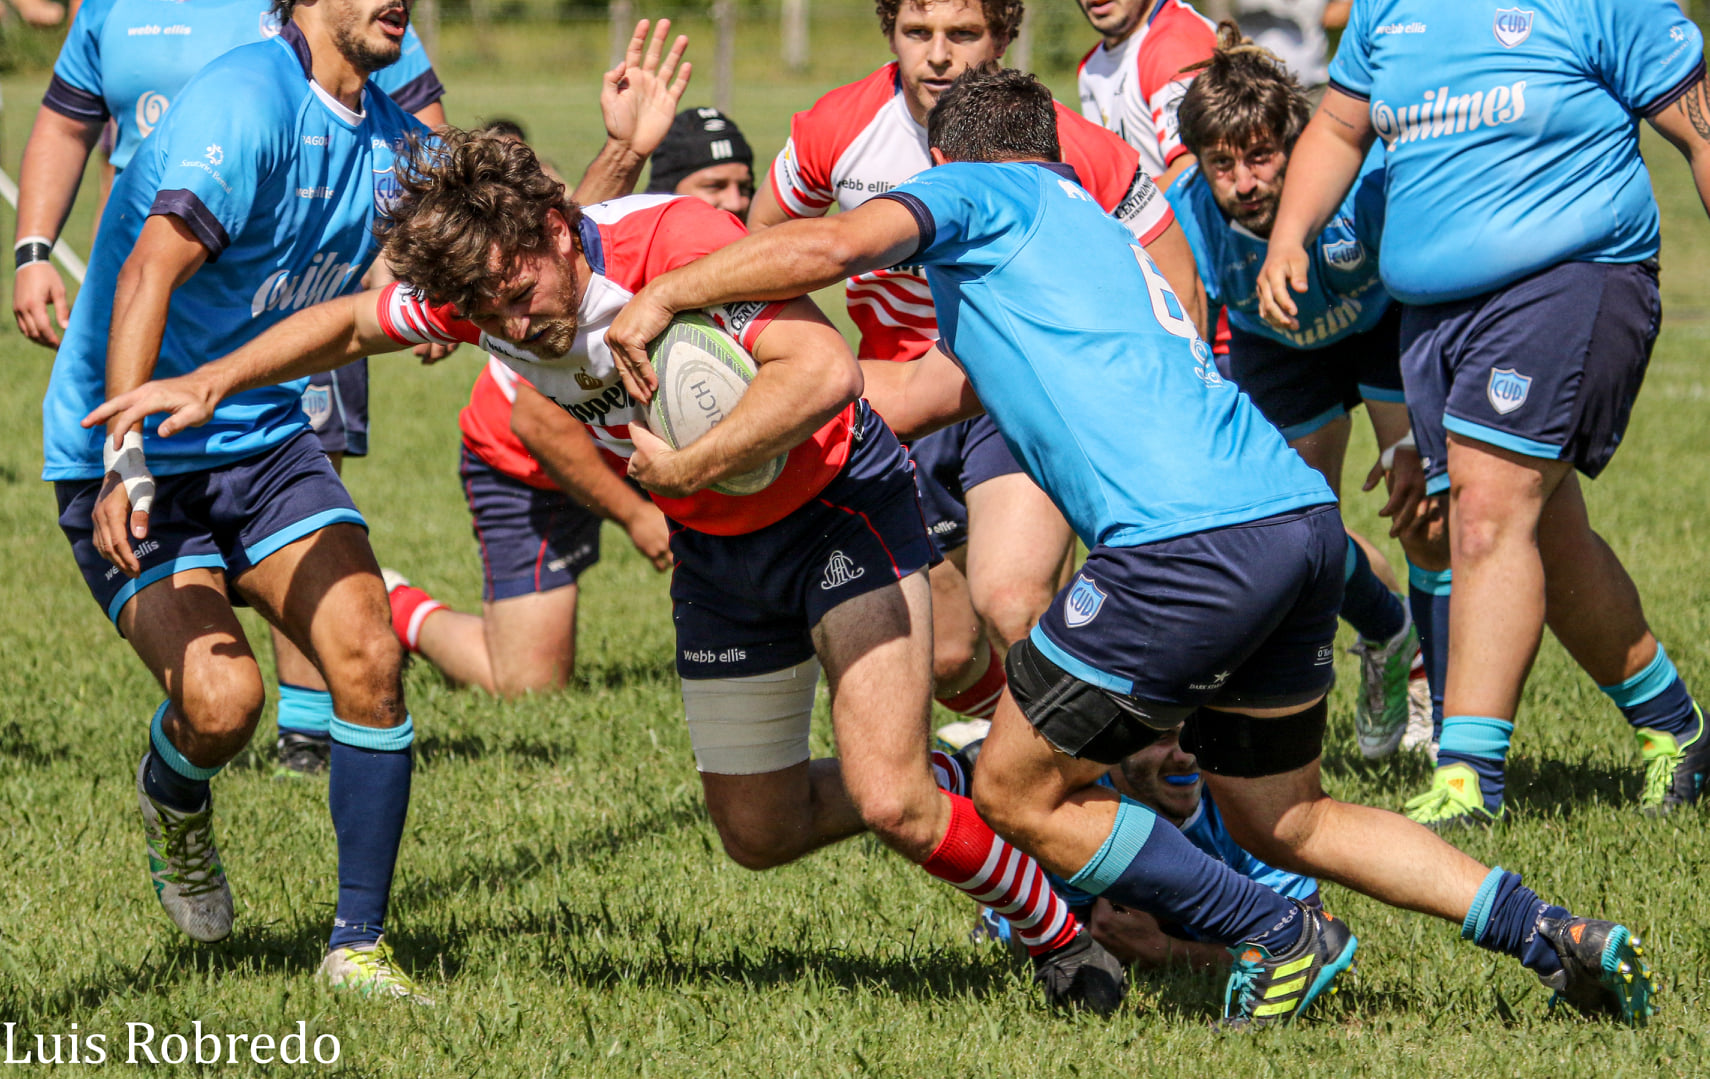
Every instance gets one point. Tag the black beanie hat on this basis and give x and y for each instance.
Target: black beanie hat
(698, 139)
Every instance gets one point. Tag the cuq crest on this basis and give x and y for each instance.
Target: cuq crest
(1507, 390)
(1084, 602)
(1513, 26)
(317, 403)
(1344, 254)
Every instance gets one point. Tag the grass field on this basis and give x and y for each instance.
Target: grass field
(563, 895)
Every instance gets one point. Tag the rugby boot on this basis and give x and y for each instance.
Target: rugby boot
(1380, 716)
(185, 867)
(1421, 730)
(302, 754)
(1264, 989)
(1082, 974)
(1674, 773)
(371, 970)
(1603, 970)
(1454, 801)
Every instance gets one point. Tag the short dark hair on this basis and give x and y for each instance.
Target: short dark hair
(995, 114)
(1003, 17)
(1242, 93)
(282, 10)
(505, 127)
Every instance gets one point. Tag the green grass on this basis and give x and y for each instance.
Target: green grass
(564, 896)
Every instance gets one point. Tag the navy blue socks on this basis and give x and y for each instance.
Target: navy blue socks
(1376, 613)
(169, 777)
(1428, 597)
(1504, 918)
(1656, 699)
(368, 793)
(1480, 743)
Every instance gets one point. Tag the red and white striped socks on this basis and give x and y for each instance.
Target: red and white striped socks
(974, 860)
(980, 700)
(410, 608)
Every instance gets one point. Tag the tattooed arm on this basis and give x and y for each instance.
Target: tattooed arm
(1686, 123)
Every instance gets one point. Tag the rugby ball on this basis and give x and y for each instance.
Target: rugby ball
(702, 373)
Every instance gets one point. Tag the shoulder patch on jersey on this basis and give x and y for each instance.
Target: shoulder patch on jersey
(1513, 26)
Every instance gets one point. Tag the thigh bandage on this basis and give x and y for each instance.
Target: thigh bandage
(746, 726)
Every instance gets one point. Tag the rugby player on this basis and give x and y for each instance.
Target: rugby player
(823, 567)
(278, 139)
(1006, 546)
(1209, 597)
(705, 156)
(106, 69)
(1239, 118)
(1522, 240)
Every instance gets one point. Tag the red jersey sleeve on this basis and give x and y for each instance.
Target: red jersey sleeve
(801, 175)
(1179, 38)
(1111, 171)
(407, 318)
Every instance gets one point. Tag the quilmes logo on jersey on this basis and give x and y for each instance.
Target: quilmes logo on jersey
(840, 569)
(150, 108)
(1442, 113)
(1507, 390)
(322, 279)
(1345, 254)
(1085, 601)
(1512, 26)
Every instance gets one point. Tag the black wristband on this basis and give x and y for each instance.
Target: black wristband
(31, 252)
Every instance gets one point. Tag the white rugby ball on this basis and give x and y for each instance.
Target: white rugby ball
(702, 372)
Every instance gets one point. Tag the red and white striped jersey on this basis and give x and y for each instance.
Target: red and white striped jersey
(860, 140)
(1134, 90)
(486, 425)
(626, 242)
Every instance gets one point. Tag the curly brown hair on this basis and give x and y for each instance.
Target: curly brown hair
(1241, 93)
(1003, 17)
(468, 203)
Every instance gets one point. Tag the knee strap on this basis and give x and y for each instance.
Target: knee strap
(1242, 747)
(1078, 718)
(747, 726)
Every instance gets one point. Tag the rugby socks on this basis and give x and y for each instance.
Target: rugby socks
(368, 793)
(1376, 613)
(949, 774)
(1428, 597)
(977, 862)
(1504, 918)
(170, 778)
(1480, 743)
(410, 608)
(980, 700)
(1656, 699)
(305, 711)
(1158, 870)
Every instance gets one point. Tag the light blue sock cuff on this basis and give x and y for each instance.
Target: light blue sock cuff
(175, 760)
(1478, 915)
(1432, 582)
(1475, 736)
(391, 740)
(306, 711)
(1350, 560)
(1133, 827)
(1657, 676)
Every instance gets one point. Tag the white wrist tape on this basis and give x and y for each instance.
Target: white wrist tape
(133, 471)
(1387, 457)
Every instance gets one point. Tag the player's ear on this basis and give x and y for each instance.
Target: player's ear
(938, 157)
(563, 236)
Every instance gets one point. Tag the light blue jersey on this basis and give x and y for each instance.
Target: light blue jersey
(1082, 355)
(130, 59)
(1513, 132)
(280, 182)
(1343, 294)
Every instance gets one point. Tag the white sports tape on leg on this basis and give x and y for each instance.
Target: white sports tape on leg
(746, 726)
(133, 471)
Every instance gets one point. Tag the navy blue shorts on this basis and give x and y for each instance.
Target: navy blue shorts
(950, 463)
(1243, 616)
(1301, 390)
(1548, 366)
(226, 518)
(336, 403)
(746, 605)
(532, 540)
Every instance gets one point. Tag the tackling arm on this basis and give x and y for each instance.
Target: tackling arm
(53, 165)
(921, 396)
(1686, 124)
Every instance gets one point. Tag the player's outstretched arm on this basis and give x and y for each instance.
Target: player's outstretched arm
(566, 451)
(780, 263)
(47, 185)
(807, 376)
(1686, 123)
(638, 101)
(921, 396)
(1321, 169)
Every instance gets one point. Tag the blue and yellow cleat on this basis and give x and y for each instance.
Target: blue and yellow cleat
(1675, 772)
(1264, 989)
(1603, 969)
(1453, 802)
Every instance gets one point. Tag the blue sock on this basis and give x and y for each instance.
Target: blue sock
(1375, 612)
(1481, 743)
(1428, 596)
(170, 778)
(1159, 871)
(305, 711)
(1504, 918)
(368, 793)
(1656, 698)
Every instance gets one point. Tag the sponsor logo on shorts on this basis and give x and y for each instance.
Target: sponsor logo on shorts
(1216, 682)
(577, 555)
(1326, 656)
(840, 569)
(1084, 602)
(1512, 26)
(1507, 390)
(317, 403)
(707, 655)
